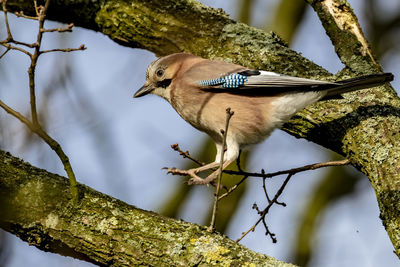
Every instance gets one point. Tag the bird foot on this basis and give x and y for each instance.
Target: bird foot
(176, 171)
(195, 179)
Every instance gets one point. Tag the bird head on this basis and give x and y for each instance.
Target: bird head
(160, 74)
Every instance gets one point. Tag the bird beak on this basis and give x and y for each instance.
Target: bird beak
(144, 90)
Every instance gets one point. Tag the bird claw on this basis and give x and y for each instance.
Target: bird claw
(175, 171)
(195, 179)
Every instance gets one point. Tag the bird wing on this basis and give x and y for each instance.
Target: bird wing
(254, 79)
(272, 79)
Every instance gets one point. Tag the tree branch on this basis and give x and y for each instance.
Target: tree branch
(341, 25)
(373, 143)
(104, 230)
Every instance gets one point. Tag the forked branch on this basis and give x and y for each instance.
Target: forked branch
(290, 173)
(33, 124)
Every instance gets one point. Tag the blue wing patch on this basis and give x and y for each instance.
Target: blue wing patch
(233, 80)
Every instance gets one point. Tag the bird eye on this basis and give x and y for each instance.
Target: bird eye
(160, 72)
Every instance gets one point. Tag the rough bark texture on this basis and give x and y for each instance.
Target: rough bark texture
(34, 205)
(364, 126)
(372, 140)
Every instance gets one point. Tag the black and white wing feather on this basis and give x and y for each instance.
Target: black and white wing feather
(272, 79)
(252, 79)
(266, 81)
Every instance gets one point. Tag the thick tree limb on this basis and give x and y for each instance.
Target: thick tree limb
(169, 26)
(364, 126)
(375, 143)
(34, 205)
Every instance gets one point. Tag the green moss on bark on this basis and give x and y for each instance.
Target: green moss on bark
(36, 207)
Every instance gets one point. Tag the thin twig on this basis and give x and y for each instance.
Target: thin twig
(12, 47)
(290, 173)
(266, 210)
(17, 115)
(5, 52)
(82, 47)
(268, 232)
(265, 190)
(294, 170)
(270, 175)
(41, 13)
(60, 29)
(186, 154)
(22, 15)
(23, 43)
(37, 129)
(36, 8)
(9, 35)
(10, 38)
(34, 125)
(231, 189)
(308, 167)
(229, 114)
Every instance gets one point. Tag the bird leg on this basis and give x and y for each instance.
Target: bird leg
(230, 156)
(192, 172)
(197, 180)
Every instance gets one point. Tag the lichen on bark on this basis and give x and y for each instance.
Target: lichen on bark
(36, 207)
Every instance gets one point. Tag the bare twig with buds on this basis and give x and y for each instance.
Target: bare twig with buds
(33, 124)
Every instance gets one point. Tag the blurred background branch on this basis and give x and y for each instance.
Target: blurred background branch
(34, 125)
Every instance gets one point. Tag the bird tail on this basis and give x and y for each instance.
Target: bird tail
(359, 83)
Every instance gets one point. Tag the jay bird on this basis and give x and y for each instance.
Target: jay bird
(201, 90)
